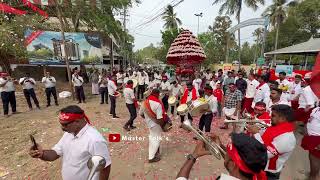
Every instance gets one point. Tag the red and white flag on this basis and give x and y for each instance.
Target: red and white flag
(315, 77)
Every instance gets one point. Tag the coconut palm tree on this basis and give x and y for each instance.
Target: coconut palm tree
(234, 7)
(277, 14)
(170, 18)
(258, 33)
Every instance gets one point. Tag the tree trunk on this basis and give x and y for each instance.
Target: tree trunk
(276, 42)
(63, 42)
(239, 43)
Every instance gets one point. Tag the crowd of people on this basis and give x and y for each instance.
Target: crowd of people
(255, 152)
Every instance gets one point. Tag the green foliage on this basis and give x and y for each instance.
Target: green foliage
(41, 53)
(146, 54)
(91, 59)
(170, 18)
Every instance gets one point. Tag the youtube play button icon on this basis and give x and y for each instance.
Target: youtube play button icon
(114, 137)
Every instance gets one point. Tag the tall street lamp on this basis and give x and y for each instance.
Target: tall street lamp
(198, 15)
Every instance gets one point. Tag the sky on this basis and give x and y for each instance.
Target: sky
(150, 33)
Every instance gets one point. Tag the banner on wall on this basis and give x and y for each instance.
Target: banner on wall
(47, 48)
(288, 69)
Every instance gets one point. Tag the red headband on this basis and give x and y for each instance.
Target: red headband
(234, 155)
(260, 108)
(68, 117)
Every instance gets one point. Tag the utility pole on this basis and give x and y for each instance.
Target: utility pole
(124, 19)
(198, 15)
(64, 46)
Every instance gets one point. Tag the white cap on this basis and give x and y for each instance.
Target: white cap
(308, 75)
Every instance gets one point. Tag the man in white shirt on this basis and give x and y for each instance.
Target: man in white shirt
(28, 85)
(78, 144)
(50, 85)
(165, 85)
(206, 118)
(275, 99)
(113, 93)
(120, 77)
(307, 101)
(131, 104)
(157, 77)
(197, 82)
(250, 93)
(279, 139)
(175, 91)
(7, 91)
(77, 81)
(153, 114)
(311, 143)
(262, 92)
(103, 87)
(245, 158)
(283, 82)
(295, 90)
(141, 84)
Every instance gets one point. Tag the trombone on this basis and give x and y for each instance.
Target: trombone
(210, 145)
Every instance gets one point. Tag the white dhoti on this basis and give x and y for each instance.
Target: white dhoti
(154, 140)
(228, 111)
(95, 88)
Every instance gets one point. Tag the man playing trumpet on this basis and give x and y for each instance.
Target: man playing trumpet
(279, 139)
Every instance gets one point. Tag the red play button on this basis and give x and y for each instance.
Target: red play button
(114, 137)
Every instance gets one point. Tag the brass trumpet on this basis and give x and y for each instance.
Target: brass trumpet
(211, 146)
(260, 122)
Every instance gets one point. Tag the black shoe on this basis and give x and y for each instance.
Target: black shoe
(115, 117)
(155, 159)
(102, 103)
(48, 105)
(57, 104)
(133, 127)
(126, 128)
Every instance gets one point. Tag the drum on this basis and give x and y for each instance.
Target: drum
(198, 107)
(182, 109)
(172, 101)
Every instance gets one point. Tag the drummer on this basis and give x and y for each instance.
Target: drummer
(206, 118)
(175, 91)
(190, 94)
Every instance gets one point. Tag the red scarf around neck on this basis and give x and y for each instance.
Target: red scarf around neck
(186, 93)
(261, 84)
(156, 99)
(268, 137)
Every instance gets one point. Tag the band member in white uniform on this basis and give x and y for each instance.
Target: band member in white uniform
(279, 139)
(153, 113)
(141, 84)
(131, 103)
(295, 90)
(189, 95)
(50, 84)
(120, 78)
(165, 85)
(28, 85)
(263, 91)
(307, 100)
(250, 93)
(175, 91)
(207, 117)
(197, 82)
(112, 90)
(77, 81)
(7, 90)
(311, 143)
(275, 99)
(103, 87)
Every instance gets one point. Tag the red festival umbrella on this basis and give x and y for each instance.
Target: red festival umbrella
(185, 50)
